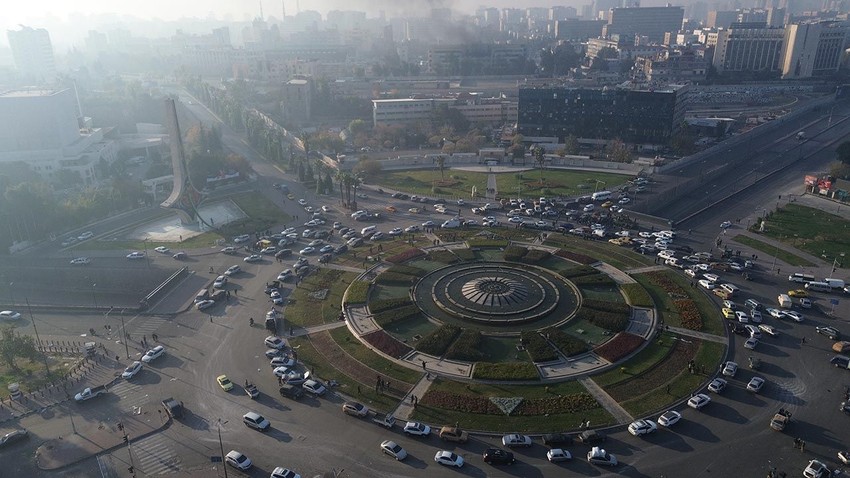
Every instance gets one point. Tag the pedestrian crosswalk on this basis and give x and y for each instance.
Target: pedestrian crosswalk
(153, 455)
(147, 327)
(132, 396)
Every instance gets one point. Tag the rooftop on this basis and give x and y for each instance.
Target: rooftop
(28, 92)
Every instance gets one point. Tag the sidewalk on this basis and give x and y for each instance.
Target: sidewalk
(609, 404)
(405, 408)
(699, 335)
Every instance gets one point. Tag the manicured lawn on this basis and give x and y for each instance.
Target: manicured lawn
(502, 423)
(356, 349)
(817, 232)
(558, 182)
(526, 391)
(306, 311)
(780, 253)
(711, 321)
(644, 360)
(618, 256)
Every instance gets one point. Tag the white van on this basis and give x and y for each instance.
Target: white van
(730, 288)
(818, 286)
(601, 195)
(784, 301)
(451, 223)
(801, 278)
(368, 229)
(835, 283)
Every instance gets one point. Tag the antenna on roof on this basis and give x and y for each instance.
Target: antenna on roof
(77, 96)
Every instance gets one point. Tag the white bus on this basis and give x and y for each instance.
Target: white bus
(818, 286)
(801, 278)
(601, 196)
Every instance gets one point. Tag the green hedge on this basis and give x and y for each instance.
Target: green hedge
(465, 254)
(579, 271)
(515, 253)
(476, 242)
(505, 371)
(407, 270)
(381, 305)
(616, 307)
(358, 292)
(534, 256)
(443, 256)
(466, 347)
(538, 349)
(596, 279)
(568, 344)
(395, 278)
(387, 317)
(610, 321)
(438, 341)
(637, 295)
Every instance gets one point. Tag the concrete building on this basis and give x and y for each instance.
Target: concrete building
(459, 59)
(578, 29)
(297, 99)
(748, 49)
(813, 49)
(633, 115)
(651, 22)
(673, 66)
(33, 54)
(474, 109)
(562, 13)
(625, 51)
(43, 129)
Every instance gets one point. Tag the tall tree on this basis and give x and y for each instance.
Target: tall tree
(441, 163)
(14, 346)
(540, 158)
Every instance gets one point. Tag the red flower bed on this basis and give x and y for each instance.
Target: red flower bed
(406, 256)
(664, 281)
(387, 344)
(620, 346)
(562, 404)
(689, 312)
(461, 403)
(576, 257)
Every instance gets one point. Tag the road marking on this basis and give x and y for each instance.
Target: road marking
(154, 456)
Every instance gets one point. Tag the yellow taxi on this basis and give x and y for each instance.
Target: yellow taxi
(798, 293)
(728, 313)
(224, 383)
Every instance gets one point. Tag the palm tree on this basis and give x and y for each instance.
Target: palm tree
(540, 159)
(355, 181)
(339, 177)
(441, 163)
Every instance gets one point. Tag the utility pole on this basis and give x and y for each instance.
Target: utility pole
(221, 446)
(126, 337)
(38, 340)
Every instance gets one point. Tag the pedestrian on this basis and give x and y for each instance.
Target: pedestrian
(668, 389)
(412, 398)
(423, 365)
(235, 292)
(280, 381)
(802, 446)
(802, 341)
(290, 331)
(358, 390)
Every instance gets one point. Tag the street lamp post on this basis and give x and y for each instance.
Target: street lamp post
(126, 337)
(221, 446)
(775, 253)
(37, 339)
(93, 296)
(835, 262)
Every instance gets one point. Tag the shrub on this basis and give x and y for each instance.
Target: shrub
(505, 371)
(617, 307)
(534, 256)
(438, 341)
(637, 295)
(395, 278)
(443, 256)
(576, 257)
(514, 253)
(387, 317)
(689, 313)
(610, 321)
(537, 347)
(579, 272)
(578, 402)
(387, 344)
(480, 242)
(663, 280)
(466, 346)
(595, 279)
(409, 270)
(381, 305)
(406, 256)
(463, 403)
(465, 254)
(619, 347)
(358, 292)
(568, 344)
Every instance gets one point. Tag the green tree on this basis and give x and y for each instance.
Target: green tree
(14, 346)
(842, 152)
(683, 141)
(540, 158)
(571, 145)
(620, 152)
(368, 168)
(441, 163)
(357, 126)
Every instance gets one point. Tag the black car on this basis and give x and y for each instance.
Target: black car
(325, 258)
(591, 436)
(739, 329)
(283, 253)
(341, 249)
(396, 195)
(497, 456)
(557, 440)
(180, 256)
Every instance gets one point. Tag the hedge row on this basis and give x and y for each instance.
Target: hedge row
(637, 295)
(597, 279)
(617, 307)
(438, 341)
(619, 347)
(466, 346)
(607, 320)
(537, 347)
(465, 254)
(409, 270)
(534, 256)
(381, 305)
(568, 344)
(387, 344)
(443, 256)
(358, 292)
(395, 278)
(387, 317)
(579, 272)
(514, 253)
(405, 256)
(480, 405)
(505, 371)
(576, 257)
(476, 242)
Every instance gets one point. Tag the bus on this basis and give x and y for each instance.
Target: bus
(601, 195)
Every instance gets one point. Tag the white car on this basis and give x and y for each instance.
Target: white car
(281, 472)
(447, 458)
(162, 250)
(314, 387)
(326, 209)
(712, 277)
(274, 342)
(768, 329)
(742, 317)
(816, 469)
(514, 439)
(705, 283)
(598, 456)
(302, 202)
(395, 231)
(85, 235)
(669, 418)
(756, 384)
(624, 201)
(80, 261)
(132, 370)
(725, 224)
(307, 250)
(241, 238)
(411, 229)
(286, 362)
(393, 449)
(461, 202)
(753, 331)
(153, 354)
(717, 385)
(284, 274)
(755, 316)
(555, 455)
(428, 224)
(698, 401)
(10, 315)
(775, 313)
(136, 255)
(793, 315)
(253, 258)
(730, 369)
(256, 421)
(220, 282)
(417, 429)
(238, 460)
(232, 270)
(642, 427)
(205, 304)
(751, 343)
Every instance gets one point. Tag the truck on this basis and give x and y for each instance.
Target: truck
(173, 408)
(785, 301)
(453, 434)
(252, 390)
(780, 420)
(90, 393)
(386, 421)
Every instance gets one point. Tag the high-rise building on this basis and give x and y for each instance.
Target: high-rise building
(578, 29)
(651, 22)
(812, 49)
(721, 18)
(33, 54)
(748, 48)
(562, 13)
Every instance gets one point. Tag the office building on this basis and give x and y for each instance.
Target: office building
(33, 54)
(672, 66)
(748, 48)
(473, 108)
(813, 49)
(578, 29)
(650, 22)
(633, 115)
(297, 99)
(562, 13)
